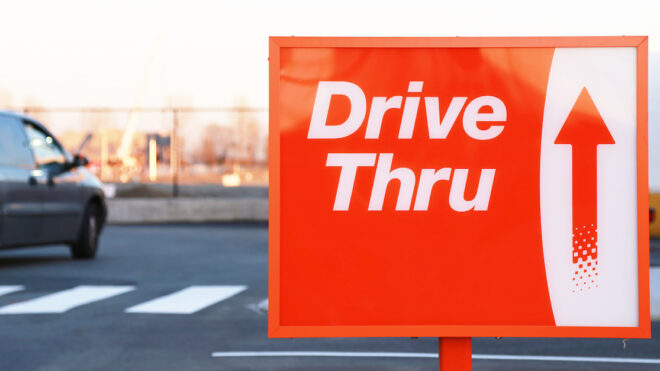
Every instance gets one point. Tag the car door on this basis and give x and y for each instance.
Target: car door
(21, 187)
(62, 204)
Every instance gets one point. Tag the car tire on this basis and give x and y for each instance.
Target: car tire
(88, 239)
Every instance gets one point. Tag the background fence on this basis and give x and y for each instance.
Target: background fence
(165, 145)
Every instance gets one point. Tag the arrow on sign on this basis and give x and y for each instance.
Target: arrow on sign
(584, 130)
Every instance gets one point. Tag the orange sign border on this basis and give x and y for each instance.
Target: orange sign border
(643, 330)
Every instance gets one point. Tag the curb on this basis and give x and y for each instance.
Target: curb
(186, 210)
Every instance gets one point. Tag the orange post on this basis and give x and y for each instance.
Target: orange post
(455, 354)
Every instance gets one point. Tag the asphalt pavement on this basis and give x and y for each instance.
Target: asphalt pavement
(180, 297)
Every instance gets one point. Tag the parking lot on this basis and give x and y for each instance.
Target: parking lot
(181, 297)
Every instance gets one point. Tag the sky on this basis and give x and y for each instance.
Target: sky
(215, 53)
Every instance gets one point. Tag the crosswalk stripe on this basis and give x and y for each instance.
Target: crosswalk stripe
(187, 301)
(7, 289)
(63, 301)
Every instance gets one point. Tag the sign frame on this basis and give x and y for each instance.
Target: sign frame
(642, 330)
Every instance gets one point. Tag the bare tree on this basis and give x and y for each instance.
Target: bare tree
(37, 109)
(248, 135)
(216, 144)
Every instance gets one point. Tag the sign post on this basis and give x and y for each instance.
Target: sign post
(458, 188)
(455, 354)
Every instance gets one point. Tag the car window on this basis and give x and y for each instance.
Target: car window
(14, 149)
(47, 153)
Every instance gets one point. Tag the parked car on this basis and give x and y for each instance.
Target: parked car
(47, 196)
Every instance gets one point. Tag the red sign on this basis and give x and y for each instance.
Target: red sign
(458, 187)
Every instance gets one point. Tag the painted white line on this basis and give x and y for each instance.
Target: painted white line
(4, 290)
(63, 301)
(325, 354)
(511, 357)
(187, 301)
(514, 357)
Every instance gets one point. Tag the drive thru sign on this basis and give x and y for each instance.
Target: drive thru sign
(459, 187)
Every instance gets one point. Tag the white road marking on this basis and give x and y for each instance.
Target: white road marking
(325, 354)
(260, 307)
(187, 301)
(511, 357)
(4, 290)
(63, 301)
(514, 357)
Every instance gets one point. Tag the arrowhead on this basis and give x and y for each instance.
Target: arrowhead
(584, 124)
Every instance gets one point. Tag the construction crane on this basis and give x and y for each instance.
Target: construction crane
(124, 161)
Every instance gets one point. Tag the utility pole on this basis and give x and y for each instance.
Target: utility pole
(174, 153)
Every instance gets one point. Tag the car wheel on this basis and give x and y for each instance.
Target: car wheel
(87, 244)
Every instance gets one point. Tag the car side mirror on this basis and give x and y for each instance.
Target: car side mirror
(78, 161)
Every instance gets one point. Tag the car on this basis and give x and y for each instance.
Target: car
(651, 214)
(47, 196)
